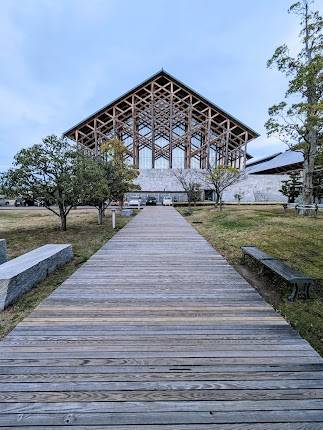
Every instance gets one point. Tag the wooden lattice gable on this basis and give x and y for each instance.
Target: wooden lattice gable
(163, 115)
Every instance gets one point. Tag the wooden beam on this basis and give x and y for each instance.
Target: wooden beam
(152, 126)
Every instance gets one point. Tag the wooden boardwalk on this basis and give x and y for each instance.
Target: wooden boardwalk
(158, 332)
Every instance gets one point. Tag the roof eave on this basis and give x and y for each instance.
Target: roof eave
(162, 72)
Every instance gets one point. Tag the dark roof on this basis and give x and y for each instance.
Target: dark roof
(169, 76)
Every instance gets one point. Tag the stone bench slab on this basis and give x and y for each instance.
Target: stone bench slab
(3, 251)
(20, 274)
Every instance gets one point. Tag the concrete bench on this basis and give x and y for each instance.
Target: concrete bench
(20, 274)
(300, 282)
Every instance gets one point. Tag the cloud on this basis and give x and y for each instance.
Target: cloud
(30, 107)
(61, 60)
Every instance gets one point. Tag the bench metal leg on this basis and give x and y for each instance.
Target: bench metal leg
(300, 291)
(307, 291)
(294, 293)
(261, 269)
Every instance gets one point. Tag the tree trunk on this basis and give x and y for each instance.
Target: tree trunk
(217, 199)
(62, 216)
(308, 173)
(312, 137)
(100, 214)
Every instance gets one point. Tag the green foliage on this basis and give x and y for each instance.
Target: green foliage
(46, 171)
(123, 173)
(297, 120)
(59, 174)
(291, 188)
(95, 179)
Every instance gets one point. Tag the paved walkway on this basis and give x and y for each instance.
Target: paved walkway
(158, 331)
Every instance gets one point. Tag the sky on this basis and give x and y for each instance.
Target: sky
(61, 60)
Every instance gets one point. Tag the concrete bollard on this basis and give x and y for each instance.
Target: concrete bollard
(113, 218)
(3, 251)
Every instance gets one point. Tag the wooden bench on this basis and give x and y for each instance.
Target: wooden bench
(20, 274)
(300, 282)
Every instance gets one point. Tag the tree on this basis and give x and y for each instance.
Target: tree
(318, 177)
(239, 196)
(291, 188)
(219, 178)
(46, 171)
(297, 120)
(124, 174)
(96, 177)
(190, 184)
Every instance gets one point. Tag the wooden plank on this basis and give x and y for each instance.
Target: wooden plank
(158, 331)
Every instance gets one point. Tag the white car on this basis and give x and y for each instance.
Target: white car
(134, 202)
(167, 201)
(4, 201)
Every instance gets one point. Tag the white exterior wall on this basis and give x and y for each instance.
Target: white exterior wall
(255, 188)
(252, 187)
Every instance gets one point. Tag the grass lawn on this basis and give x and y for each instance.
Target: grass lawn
(26, 229)
(299, 240)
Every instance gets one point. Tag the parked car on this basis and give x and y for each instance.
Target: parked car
(20, 201)
(134, 202)
(4, 201)
(167, 201)
(151, 201)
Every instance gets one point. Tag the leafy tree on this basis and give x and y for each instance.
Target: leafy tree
(219, 178)
(96, 178)
(124, 174)
(46, 171)
(291, 188)
(298, 119)
(190, 184)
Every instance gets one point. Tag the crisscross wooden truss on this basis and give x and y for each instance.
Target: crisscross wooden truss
(165, 116)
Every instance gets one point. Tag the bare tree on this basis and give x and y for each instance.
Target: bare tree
(189, 181)
(219, 178)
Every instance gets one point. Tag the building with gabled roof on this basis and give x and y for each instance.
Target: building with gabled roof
(165, 124)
